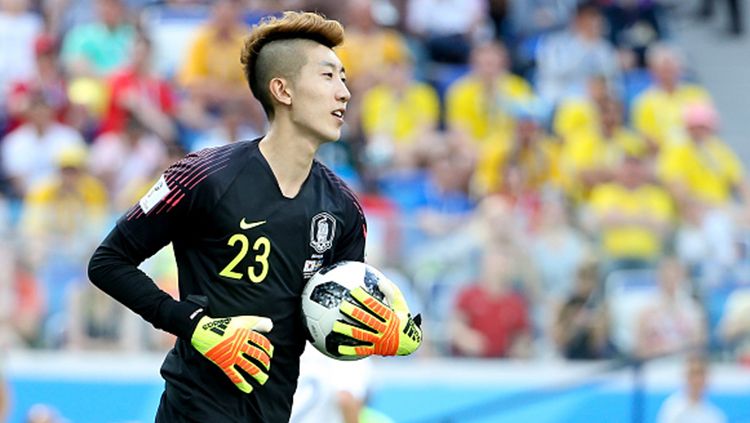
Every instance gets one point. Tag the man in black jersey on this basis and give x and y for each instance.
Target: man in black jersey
(249, 223)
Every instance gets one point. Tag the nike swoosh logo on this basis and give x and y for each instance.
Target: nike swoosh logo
(245, 226)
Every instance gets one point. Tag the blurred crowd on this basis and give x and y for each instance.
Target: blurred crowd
(545, 179)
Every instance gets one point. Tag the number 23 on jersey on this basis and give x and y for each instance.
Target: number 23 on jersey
(261, 248)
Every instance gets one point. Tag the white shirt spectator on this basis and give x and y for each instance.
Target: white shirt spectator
(29, 156)
(530, 17)
(566, 61)
(321, 380)
(17, 35)
(444, 17)
(679, 409)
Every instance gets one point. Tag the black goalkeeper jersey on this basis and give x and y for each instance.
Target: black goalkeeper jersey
(246, 249)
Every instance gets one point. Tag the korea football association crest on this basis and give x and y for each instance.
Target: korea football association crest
(322, 231)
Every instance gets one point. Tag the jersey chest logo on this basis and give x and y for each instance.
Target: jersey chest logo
(322, 231)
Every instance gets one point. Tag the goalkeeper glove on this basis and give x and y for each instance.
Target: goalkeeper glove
(389, 330)
(229, 341)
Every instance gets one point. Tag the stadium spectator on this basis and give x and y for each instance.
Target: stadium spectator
(581, 112)
(210, 72)
(21, 305)
(369, 47)
(734, 328)
(557, 250)
(658, 112)
(491, 320)
(19, 27)
(137, 90)
(101, 47)
(481, 103)
(228, 127)
(523, 165)
(634, 25)
(62, 220)
(444, 202)
(707, 178)
(530, 18)
(702, 169)
(632, 216)
(329, 390)
(130, 154)
(29, 152)
(567, 59)
(47, 80)
(580, 328)
(27, 304)
(95, 322)
(396, 112)
(691, 405)
(673, 322)
(590, 155)
(448, 27)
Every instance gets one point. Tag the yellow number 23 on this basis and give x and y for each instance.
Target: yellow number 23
(261, 248)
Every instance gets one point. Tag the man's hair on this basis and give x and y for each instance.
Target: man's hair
(274, 48)
(588, 7)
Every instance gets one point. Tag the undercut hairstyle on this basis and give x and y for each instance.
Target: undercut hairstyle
(274, 49)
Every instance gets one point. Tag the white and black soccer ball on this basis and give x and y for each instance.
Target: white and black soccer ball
(321, 299)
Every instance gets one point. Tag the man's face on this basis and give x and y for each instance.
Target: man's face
(320, 95)
(667, 70)
(488, 62)
(110, 12)
(590, 24)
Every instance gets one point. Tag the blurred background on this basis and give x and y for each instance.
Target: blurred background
(558, 186)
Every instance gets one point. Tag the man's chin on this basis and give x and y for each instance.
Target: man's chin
(331, 137)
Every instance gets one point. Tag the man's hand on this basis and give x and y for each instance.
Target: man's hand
(390, 330)
(229, 341)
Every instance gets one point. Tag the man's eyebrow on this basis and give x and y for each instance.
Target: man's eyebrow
(328, 64)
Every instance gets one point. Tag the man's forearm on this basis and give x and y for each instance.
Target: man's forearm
(113, 269)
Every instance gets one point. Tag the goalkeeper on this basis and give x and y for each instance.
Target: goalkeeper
(247, 222)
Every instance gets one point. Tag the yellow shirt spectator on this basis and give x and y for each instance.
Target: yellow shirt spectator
(211, 57)
(400, 116)
(368, 53)
(658, 114)
(588, 150)
(631, 240)
(484, 113)
(709, 171)
(538, 163)
(51, 207)
(575, 115)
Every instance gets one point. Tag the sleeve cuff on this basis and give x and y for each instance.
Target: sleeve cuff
(181, 317)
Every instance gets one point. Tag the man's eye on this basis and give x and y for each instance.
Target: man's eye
(343, 79)
(328, 75)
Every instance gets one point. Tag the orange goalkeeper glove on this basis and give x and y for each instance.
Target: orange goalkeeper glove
(229, 341)
(387, 330)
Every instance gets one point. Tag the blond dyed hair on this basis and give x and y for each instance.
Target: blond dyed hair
(274, 49)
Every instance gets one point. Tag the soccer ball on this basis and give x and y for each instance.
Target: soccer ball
(321, 299)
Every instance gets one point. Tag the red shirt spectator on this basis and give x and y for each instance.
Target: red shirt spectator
(48, 82)
(500, 317)
(128, 85)
(139, 91)
(491, 319)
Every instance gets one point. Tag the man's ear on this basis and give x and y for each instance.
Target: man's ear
(280, 90)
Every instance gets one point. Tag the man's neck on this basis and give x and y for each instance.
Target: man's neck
(290, 156)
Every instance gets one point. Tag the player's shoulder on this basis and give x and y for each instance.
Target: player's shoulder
(210, 165)
(335, 185)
